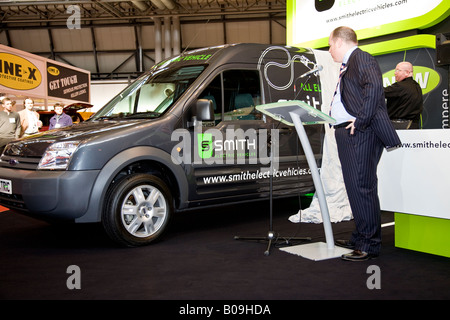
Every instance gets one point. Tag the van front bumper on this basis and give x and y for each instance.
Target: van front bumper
(61, 195)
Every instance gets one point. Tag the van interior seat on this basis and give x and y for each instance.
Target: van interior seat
(243, 100)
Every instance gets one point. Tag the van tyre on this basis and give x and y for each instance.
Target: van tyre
(137, 210)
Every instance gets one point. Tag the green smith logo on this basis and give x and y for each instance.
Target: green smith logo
(427, 78)
(205, 145)
(237, 145)
(232, 146)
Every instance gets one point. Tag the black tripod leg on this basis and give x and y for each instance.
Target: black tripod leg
(269, 245)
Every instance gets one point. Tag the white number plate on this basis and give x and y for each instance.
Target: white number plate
(5, 186)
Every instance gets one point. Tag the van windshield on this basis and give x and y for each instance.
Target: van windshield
(151, 94)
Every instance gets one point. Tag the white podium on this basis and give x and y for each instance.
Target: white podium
(298, 113)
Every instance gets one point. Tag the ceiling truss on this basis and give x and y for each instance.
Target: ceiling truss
(26, 13)
(43, 14)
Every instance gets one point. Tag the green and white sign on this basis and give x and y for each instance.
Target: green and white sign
(310, 22)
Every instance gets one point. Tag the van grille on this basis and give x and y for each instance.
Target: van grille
(24, 163)
(24, 154)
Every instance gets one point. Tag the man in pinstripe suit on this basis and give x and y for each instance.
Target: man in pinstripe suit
(362, 130)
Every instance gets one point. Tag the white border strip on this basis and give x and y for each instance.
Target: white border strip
(387, 224)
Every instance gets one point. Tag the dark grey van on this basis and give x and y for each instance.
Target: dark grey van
(184, 135)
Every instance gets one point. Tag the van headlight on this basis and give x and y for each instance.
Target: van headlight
(58, 155)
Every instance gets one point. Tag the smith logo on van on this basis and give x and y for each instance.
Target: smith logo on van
(205, 145)
(245, 147)
(233, 146)
(18, 73)
(427, 78)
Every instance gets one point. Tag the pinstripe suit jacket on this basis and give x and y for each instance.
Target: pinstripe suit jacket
(362, 94)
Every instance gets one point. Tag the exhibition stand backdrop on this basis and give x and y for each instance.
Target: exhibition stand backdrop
(413, 180)
(23, 74)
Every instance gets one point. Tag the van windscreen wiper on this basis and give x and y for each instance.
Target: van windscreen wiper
(143, 115)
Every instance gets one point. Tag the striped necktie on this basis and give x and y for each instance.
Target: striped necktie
(341, 71)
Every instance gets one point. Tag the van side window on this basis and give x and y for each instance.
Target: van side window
(241, 93)
(213, 92)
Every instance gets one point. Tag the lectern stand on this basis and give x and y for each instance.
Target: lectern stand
(298, 113)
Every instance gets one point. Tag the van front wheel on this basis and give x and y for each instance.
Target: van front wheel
(137, 210)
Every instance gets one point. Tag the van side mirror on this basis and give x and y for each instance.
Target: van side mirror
(203, 111)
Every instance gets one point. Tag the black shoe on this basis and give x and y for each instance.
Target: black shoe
(358, 256)
(344, 244)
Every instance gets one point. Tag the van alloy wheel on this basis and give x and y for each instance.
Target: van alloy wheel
(143, 211)
(138, 210)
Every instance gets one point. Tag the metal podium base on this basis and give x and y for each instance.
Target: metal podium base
(316, 251)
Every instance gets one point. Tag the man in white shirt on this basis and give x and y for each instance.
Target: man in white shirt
(29, 119)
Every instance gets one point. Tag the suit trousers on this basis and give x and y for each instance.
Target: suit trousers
(359, 155)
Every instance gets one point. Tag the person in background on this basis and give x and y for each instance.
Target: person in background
(404, 98)
(362, 130)
(60, 119)
(29, 119)
(9, 124)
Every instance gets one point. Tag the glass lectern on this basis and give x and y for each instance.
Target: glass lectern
(298, 113)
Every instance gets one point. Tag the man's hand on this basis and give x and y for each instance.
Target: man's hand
(351, 126)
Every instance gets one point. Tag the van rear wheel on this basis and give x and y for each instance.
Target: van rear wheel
(137, 210)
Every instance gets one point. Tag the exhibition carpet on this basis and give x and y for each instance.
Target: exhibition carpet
(199, 260)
